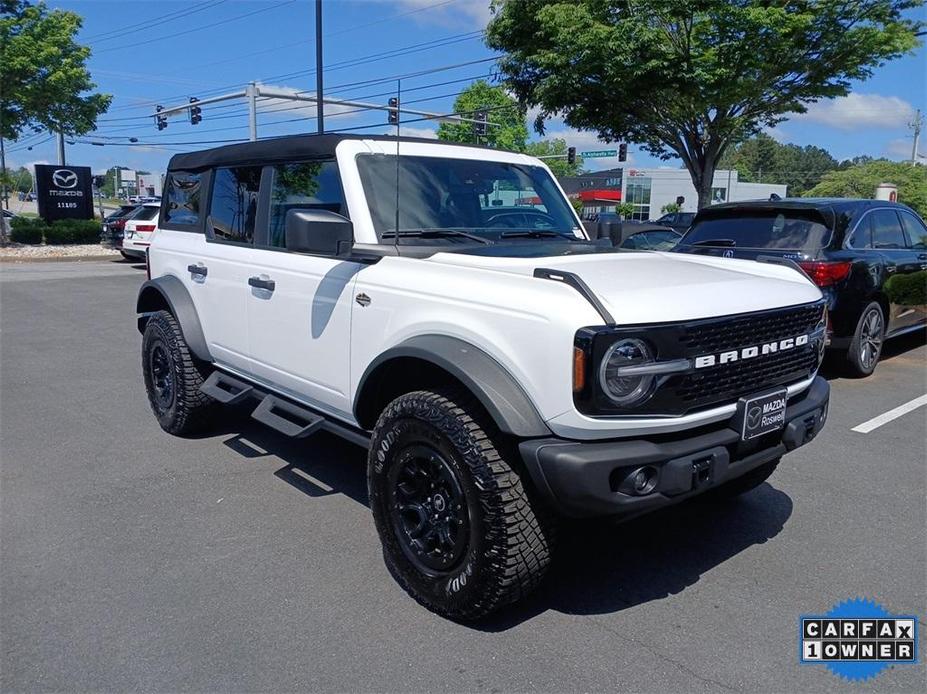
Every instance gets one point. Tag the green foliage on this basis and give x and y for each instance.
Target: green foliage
(907, 290)
(68, 231)
(58, 233)
(763, 160)
(670, 208)
(860, 181)
(43, 72)
(688, 79)
(23, 230)
(624, 210)
(557, 146)
(511, 131)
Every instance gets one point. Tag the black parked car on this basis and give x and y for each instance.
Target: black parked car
(678, 221)
(114, 225)
(852, 249)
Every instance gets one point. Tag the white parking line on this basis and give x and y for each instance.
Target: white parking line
(885, 418)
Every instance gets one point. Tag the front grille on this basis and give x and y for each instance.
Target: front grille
(717, 335)
(720, 384)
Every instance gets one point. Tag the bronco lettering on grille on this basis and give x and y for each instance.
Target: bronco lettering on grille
(749, 352)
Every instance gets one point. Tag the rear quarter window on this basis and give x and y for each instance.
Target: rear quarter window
(184, 198)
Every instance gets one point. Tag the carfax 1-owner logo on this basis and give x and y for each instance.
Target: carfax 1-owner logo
(857, 639)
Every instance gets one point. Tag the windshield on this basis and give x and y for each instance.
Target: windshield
(797, 230)
(488, 199)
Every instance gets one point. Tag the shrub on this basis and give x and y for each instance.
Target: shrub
(907, 290)
(25, 230)
(67, 231)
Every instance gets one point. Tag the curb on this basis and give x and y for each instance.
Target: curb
(64, 259)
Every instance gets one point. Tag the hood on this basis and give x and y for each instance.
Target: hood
(651, 287)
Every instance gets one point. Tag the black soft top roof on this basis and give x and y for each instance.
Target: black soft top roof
(288, 148)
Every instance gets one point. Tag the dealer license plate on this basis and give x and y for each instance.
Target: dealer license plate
(762, 414)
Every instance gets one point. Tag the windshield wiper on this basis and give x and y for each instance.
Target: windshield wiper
(716, 242)
(436, 234)
(535, 234)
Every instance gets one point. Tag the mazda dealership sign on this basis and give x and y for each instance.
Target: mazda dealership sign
(64, 192)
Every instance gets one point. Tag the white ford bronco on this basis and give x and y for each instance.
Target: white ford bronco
(442, 306)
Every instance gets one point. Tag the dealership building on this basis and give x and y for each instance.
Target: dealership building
(650, 189)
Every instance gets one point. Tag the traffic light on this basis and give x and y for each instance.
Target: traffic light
(394, 110)
(195, 111)
(479, 128)
(622, 152)
(161, 120)
(571, 155)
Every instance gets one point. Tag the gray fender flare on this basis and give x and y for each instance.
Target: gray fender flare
(499, 393)
(154, 294)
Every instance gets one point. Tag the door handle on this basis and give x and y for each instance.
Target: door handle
(197, 270)
(922, 256)
(269, 285)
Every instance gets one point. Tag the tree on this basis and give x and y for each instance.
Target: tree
(762, 159)
(43, 73)
(556, 147)
(860, 181)
(685, 78)
(510, 130)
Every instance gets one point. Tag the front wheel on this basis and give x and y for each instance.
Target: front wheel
(459, 531)
(866, 345)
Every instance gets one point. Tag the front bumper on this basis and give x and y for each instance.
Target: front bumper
(582, 479)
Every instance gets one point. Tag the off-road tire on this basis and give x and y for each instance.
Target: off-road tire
(857, 364)
(510, 536)
(187, 410)
(743, 484)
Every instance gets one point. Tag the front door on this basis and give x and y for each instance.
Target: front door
(299, 306)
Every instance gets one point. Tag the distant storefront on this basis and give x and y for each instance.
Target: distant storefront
(649, 190)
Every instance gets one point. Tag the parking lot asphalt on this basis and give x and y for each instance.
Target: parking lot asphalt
(132, 560)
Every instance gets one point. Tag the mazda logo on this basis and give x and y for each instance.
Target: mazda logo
(63, 178)
(754, 416)
(728, 254)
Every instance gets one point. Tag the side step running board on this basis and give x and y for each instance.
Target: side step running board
(226, 389)
(289, 419)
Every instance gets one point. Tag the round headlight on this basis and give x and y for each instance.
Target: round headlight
(622, 388)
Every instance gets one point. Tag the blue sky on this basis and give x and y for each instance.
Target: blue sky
(147, 53)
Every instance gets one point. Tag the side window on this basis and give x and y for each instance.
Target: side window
(184, 197)
(233, 207)
(313, 185)
(862, 237)
(886, 230)
(915, 229)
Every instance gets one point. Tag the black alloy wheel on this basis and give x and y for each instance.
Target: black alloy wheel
(162, 376)
(428, 509)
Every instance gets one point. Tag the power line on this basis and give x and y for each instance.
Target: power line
(334, 33)
(198, 28)
(154, 21)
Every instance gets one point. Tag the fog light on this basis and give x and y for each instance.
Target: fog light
(643, 480)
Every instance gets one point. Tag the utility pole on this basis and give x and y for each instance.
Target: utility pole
(320, 103)
(4, 199)
(61, 161)
(916, 124)
(252, 109)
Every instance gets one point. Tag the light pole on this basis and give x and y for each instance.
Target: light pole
(320, 104)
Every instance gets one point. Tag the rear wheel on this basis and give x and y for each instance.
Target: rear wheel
(173, 377)
(866, 345)
(459, 531)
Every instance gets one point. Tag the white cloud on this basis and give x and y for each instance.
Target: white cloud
(899, 148)
(474, 14)
(858, 111)
(287, 108)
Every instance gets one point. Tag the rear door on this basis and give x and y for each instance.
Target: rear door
(890, 241)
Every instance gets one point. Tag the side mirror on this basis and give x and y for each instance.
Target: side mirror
(319, 232)
(612, 231)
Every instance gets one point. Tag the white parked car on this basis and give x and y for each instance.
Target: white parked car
(501, 368)
(138, 230)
